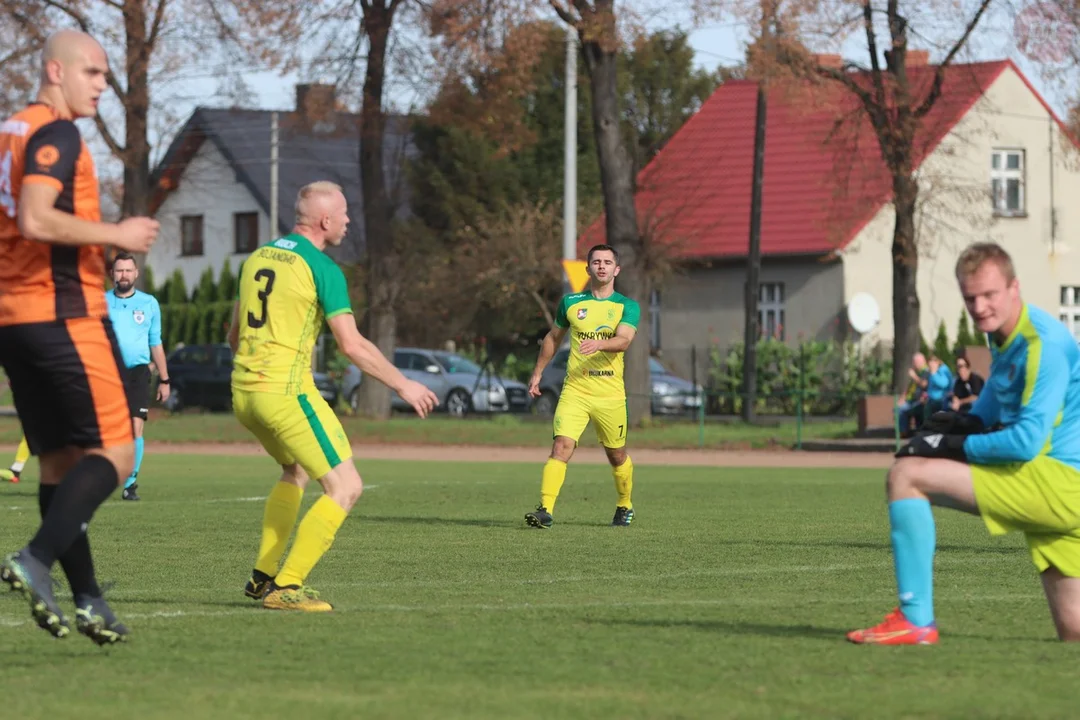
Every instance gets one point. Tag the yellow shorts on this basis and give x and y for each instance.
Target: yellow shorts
(294, 429)
(1041, 499)
(608, 415)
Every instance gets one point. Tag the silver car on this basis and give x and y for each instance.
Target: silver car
(460, 384)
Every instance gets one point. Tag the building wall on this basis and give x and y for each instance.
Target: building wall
(702, 308)
(955, 210)
(209, 187)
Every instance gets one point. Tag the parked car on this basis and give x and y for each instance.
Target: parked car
(200, 376)
(460, 384)
(671, 395)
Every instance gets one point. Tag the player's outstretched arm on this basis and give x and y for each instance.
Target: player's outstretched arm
(371, 362)
(40, 220)
(548, 346)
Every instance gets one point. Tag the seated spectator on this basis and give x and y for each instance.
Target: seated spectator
(939, 386)
(967, 387)
(916, 394)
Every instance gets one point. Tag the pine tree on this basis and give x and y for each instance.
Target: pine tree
(226, 286)
(177, 289)
(964, 337)
(206, 291)
(941, 346)
(148, 281)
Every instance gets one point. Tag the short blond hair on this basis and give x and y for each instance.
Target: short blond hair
(319, 187)
(977, 255)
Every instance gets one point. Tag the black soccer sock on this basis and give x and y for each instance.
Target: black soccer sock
(80, 493)
(77, 562)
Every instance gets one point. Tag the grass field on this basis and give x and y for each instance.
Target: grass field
(728, 597)
(505, 430)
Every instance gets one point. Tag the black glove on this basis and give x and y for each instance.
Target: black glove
(936, 445)
(948, 422)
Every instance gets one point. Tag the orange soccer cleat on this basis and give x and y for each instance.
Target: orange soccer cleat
(895, 630)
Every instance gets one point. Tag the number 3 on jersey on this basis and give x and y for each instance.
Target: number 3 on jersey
(267, 275)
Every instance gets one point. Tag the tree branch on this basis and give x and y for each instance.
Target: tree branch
(563, 12)
(847, 81)
(939, 75)
(155, 26)
(109, 139)
(871, 45)
(548, 317)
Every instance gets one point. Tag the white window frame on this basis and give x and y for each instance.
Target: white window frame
(1000, 177)
(1069, 312)
(771, 298)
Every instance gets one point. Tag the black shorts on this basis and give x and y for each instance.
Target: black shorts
(66, 380)
(137, 385)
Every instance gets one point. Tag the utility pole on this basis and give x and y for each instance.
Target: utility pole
(570, 151)
(752, 330)
(273, 232)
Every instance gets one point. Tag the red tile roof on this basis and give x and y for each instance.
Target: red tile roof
(824, 176)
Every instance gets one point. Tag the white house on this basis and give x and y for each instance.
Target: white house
(213, 186)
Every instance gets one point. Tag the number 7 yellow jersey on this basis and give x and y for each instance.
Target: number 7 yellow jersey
(286, 290)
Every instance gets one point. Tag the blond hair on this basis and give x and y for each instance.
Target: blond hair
(319, 187)
(977, 255)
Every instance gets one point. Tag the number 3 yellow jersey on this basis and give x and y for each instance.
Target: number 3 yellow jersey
(286, 290)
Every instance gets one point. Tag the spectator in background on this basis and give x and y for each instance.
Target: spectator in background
(939, 386)
(968, 386)
(916, 394)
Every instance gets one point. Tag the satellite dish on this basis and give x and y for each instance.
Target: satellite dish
(863, 313)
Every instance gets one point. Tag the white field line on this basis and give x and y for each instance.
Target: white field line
(253, 498)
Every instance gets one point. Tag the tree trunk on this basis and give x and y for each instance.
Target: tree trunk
(136, 157)
(905, 289)
(617, 182)
(383, 282)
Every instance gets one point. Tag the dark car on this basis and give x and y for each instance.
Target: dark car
(200, 376)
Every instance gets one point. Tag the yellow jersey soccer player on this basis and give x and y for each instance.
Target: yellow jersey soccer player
(602, 324)
(286, 289)
(1013, 459)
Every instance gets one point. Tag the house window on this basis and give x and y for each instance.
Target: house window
(1069, 312)
(771, 310)
(191, 235)
(654, 319)
(1007, 181)
(246, 231)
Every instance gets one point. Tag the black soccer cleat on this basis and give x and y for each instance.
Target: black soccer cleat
(95, 619)
(539, 518)
(258, 585)
(24, 573)
(130, 493)
(623, 516)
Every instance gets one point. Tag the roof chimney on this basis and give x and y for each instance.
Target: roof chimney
(316, 102)
(829, 61)
(917, 58)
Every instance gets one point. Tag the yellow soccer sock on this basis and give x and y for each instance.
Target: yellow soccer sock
(554, 475)
(624, 482)
(313, 538)
(21, 456)
(279, 517)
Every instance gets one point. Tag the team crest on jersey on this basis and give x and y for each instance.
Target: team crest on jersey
(139, 316)
(581, 313)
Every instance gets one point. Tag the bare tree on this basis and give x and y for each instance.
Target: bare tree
(895, 104)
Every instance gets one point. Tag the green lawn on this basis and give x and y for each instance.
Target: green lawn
(728, 597)
(506, 430)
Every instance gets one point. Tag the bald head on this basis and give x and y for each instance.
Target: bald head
(73, 70)
(321, 210)
(918, 360)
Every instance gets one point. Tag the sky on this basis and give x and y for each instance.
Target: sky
(716, 43)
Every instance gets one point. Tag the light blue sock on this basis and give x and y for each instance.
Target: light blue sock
(913, 542)
(138, 462)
